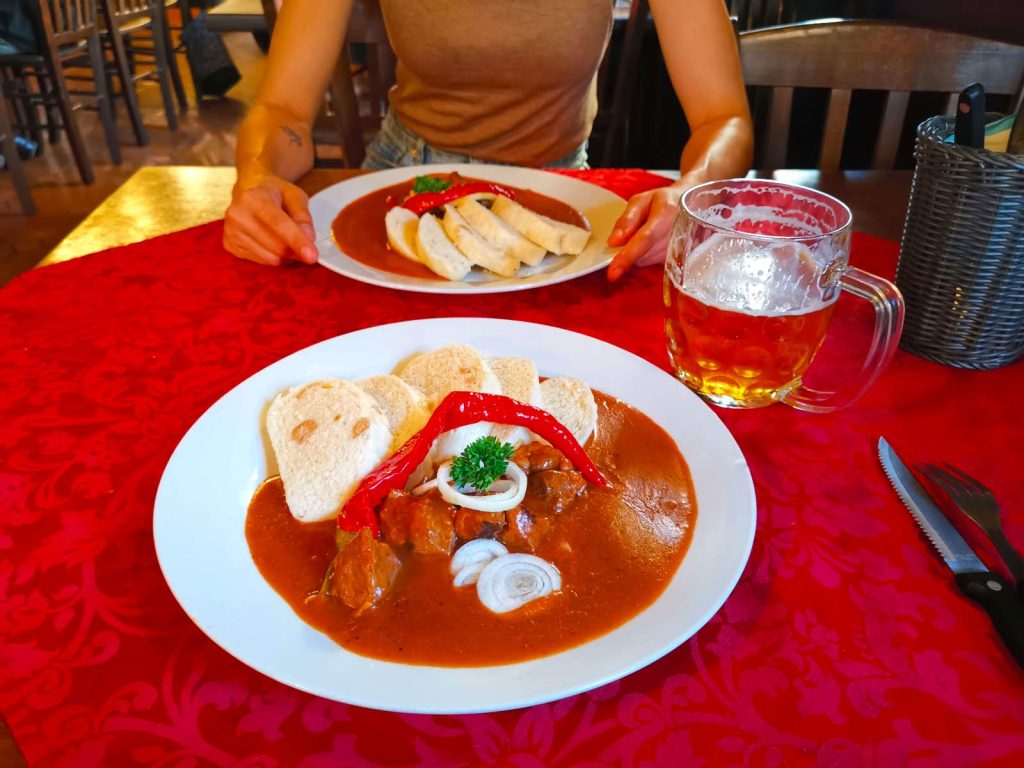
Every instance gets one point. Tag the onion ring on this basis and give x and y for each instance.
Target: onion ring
(493, 502)
(476, 551)
(511, 581)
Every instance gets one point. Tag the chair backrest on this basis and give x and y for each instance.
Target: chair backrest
(616, 114)
(64, 21)
(753, 14)
(366, 26)
(126, 10)
(844, 55)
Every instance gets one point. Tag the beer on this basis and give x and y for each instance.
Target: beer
(744, 321)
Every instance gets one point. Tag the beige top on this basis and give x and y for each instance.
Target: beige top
(513, 81)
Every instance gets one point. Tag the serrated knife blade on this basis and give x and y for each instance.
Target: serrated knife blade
(987, 589)
(940, 532)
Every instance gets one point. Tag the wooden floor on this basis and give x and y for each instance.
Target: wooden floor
(205, 136)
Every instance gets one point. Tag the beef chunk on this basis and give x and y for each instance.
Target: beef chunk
(525, 531)
(394, 518)
(431, 526)
(470, 524)
(364, 571)
(538, 457)
(552, 491)
(425, 522)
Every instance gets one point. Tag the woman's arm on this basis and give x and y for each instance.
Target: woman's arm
(268, 219)
(699, 48)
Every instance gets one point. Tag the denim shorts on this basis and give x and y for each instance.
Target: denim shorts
(395, 146)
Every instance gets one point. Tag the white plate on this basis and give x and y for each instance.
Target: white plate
(198, 526)
(600, 206)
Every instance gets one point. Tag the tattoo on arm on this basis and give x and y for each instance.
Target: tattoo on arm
(293, 138)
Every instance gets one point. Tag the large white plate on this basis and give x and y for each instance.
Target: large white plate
(600, 206)
(198, 526)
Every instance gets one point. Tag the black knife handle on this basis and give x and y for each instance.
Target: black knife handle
(998, 598)
(969, 126)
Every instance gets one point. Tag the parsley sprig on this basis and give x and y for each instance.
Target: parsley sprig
(483, 462)
(430, 184)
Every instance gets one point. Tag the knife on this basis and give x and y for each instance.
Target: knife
(987, 589)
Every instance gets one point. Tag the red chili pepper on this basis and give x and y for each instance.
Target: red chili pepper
(458, 409)
(428, 201)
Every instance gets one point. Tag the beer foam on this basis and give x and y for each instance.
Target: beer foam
(758, 278)
(817, 220)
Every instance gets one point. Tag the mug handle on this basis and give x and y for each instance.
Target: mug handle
(888, 303)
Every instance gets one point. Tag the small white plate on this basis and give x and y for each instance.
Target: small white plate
(199, 521)
(600, 207)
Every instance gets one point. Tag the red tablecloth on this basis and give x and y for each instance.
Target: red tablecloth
(845, 642)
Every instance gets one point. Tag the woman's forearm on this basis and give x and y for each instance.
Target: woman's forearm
(276, 137)
(718, 149)
(272, 142)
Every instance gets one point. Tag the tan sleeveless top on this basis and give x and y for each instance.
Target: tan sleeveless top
(512, 81)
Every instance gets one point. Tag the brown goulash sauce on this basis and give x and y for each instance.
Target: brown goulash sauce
(616, 549)
(359, 229)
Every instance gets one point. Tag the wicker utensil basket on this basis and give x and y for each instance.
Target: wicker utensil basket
(961, 267)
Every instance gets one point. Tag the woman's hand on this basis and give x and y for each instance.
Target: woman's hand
(644, 228)
(269, 223)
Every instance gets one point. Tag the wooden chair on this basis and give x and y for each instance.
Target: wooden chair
(844, 56)
(10, 153)
(342, 119)
(754, 14)
(68, 33)
(139, 29)
(614, 119)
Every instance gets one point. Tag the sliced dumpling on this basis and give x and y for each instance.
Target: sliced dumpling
(519, 381)
(555, 236)
(495, 231)
(490, 256)
(439, 253)
(327, 436)
(457, 367)
(401, 225)
(572, 403)
(404, 406)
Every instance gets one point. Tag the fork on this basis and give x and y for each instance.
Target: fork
(977, 502)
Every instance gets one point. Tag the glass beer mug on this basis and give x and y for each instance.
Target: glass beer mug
(752, 275)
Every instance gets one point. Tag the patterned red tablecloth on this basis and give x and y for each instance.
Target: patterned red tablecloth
(845, 642)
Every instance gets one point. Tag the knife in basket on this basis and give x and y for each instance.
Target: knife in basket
(987, 589)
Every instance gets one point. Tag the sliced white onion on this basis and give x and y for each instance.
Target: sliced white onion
(476, 551)
(422, 488)
(501, 501)
(511, 581)
(469, 575)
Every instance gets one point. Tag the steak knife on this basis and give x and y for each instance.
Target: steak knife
(987, 589)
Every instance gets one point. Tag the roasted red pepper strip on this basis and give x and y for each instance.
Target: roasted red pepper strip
(458, 409)
(428, 201)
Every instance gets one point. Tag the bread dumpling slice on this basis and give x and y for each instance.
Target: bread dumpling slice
(457, 367)
(401, 225)
(519, 381)
(327, 436)
(555, 236)
(482, 253)
(495, 231)
(404, 406)
(437, 252)
(572, 403)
